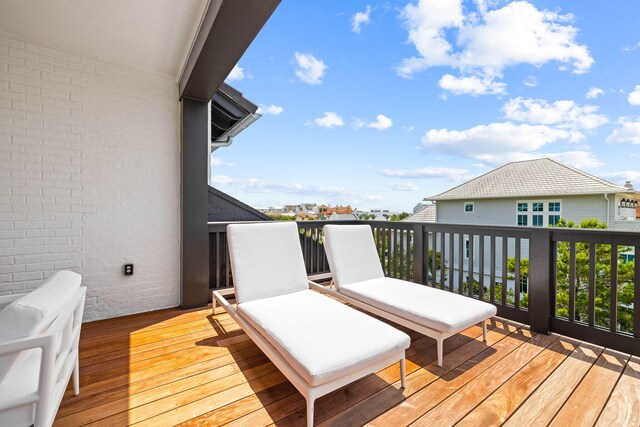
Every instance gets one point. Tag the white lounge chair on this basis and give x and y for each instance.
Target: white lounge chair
(359, 280)
(39, 334)
(318, 343)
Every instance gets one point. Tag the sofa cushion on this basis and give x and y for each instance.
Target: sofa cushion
(266, 260)
(33, 314)
(351, 253)
(434, 308)
(320, 337)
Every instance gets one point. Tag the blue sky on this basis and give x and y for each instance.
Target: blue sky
(382, 104)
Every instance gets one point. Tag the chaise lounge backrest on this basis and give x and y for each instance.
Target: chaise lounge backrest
(33, 313)
(266, 260)
(351, 253)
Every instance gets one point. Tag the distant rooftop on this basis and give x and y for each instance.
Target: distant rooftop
(531, 178)
(426, 214)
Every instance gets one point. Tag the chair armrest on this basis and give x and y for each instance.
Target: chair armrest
(28, 343)
(324, 289)
(217, 297)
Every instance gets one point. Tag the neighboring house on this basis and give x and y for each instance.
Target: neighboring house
(343, 217)
(536, 193)
(427, 213)
(340, 210)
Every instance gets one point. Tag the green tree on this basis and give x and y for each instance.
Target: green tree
(397, 217)
(602, 268)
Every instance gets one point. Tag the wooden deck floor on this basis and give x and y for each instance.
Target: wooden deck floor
(188, 368)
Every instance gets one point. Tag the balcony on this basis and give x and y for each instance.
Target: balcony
(176, 367)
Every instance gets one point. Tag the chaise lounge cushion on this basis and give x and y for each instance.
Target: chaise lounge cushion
(321, 338)
(266, 260)
(33, 313)
(434, 308)
(353, 255)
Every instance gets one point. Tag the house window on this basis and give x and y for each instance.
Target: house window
(468, 206)
(466, 249)
(524, 285)
(522, 220)
(538, 220)
(536, 213)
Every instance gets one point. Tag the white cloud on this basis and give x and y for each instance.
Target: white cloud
(217, 161)
(382, 122)
(531, 81)
(329, 120)
(452, 174)
(577, 159)
(309, 69)
(404, 186)
(627, 132)
(488, 41)
(472, 85)
(634, 96)
(564, 114)
(255, 185)
(594, 92)
(623, 176)
(272, 110)
(359, 19)
(237, 73)
(494, 143)
(221, 179)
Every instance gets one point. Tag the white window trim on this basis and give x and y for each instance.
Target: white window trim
(529, 213)
(464, 207)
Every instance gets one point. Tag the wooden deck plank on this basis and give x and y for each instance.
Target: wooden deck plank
(499, 406)
(420, 402)
(421, 353)
(623, 407)
(460, 403)
(189, 368)
(589, 398)
(547, 400)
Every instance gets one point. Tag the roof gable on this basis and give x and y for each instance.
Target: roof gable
(540, 177)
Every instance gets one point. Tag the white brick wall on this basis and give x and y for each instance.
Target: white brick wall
(89, 177)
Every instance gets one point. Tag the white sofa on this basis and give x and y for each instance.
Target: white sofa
(39, 334)
(359, 280)
(318, 343)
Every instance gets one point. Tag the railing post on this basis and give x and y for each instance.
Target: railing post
(540, 280)
(418, 254)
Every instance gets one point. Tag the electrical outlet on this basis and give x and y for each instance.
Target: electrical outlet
(128, 269)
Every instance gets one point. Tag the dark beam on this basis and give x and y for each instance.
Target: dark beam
(227, 30)
(194, 233)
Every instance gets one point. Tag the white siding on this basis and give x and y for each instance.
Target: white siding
(503, 211)
(90, 169)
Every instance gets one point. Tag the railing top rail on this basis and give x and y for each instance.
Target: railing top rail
(605, 236)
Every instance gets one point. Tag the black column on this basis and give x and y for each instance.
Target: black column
(194, 234)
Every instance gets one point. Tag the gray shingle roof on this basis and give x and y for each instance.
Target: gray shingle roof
(426, 214)
(540, 177)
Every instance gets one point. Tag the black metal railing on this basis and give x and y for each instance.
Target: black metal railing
(578, 282)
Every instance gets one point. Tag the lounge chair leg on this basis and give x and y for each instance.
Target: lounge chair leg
(440, 345)
(484, 331)
(310, 403)
(403, 373)
(213, 304)
(76, 377)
